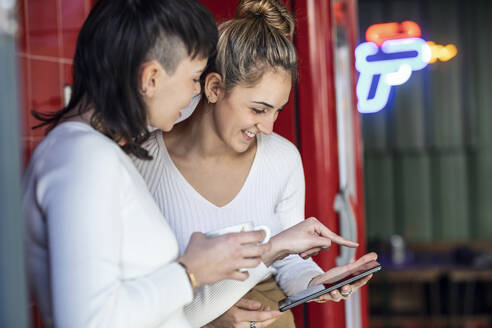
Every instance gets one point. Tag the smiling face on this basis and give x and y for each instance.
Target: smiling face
(243, 112)
(166, 94)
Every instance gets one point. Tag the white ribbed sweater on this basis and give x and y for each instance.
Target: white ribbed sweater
(99, 252)
(273, 195)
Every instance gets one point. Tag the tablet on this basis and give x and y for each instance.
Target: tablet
(334, 283)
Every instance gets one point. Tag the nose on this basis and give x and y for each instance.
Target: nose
(265, 124)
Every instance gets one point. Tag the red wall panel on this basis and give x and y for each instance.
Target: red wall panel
(318, 126)
(47, 37)
(318, 136)
(42, 26)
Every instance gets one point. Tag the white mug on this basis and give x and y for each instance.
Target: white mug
(246, 226)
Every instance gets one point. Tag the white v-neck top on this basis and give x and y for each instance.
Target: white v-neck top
(273, 195)
(99, 252)
(194, 195)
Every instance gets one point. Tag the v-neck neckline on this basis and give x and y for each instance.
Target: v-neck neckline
(189, 186)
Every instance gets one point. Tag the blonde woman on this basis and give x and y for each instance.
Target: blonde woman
(224, 165)
(99, 252)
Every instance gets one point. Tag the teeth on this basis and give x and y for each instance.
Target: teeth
(249, 134)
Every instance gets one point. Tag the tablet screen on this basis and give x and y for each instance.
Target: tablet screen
(337, 281)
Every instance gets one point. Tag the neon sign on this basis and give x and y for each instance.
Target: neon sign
(443, 53)
(378, 33)
(392, 52)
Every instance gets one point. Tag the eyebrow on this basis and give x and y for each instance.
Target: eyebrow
(268, 105)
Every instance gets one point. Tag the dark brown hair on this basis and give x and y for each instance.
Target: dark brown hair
(117, 37)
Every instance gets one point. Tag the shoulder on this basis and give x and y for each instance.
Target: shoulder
(279, 149)
(278, 158)
(77, 164)
(78, 146)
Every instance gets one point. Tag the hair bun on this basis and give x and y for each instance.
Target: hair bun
(272, 11)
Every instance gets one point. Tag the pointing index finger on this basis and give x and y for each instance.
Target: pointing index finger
(325, 232)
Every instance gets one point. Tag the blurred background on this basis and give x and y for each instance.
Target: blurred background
(396, 145)
(427, 168)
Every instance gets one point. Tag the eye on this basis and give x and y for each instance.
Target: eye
(196, 80)
(258, 111)
(280, 110)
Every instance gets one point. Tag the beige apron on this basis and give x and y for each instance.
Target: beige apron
(269, 293)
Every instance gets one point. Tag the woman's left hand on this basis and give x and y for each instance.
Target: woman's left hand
(241, 314)
(347, 290)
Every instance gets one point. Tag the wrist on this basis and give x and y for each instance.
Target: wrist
(313, 280)
(189, 272)
(277, 252)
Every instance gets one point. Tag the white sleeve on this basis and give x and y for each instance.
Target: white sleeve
(211, 301)
(293, 272)
(80, 196)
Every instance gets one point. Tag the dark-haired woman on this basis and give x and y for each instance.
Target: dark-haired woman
(99, 252)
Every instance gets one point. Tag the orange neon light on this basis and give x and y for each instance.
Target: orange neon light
(378, 33)
(443, 53)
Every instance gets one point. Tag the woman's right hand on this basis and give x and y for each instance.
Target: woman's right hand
(310, 237)
(242, 313)
(214, 259)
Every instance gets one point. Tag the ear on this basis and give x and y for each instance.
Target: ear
(213, 88)
(151, 74)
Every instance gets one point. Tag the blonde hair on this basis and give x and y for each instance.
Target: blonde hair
(255, 41)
